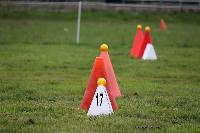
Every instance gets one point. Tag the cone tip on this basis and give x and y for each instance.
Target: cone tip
(147, 28)
(139, 26)
(104, 47)
(101, 81)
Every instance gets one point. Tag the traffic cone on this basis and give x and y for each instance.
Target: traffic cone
(98, 71)
(147, 39)
(100, 104)
(163, 25)
(137, 42)
(110, 74)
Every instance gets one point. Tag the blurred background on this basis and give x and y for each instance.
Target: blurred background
(188, 5)
(122, 1)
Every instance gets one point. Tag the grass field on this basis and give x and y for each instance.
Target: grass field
(43, 73)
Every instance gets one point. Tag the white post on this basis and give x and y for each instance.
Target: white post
(78, 23)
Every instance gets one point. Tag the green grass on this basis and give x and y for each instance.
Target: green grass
(43, 73)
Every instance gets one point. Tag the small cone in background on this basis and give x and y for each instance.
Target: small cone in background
(147, 39)
(100, 104)
(110, 74)
(163, 25)
(149, 53)
(137, 42)
(98, 71)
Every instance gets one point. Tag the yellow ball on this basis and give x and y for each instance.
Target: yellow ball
(104, 47)
(101, 81)
(139, 26)
(147, 28)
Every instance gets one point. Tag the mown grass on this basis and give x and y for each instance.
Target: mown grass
(43, 73)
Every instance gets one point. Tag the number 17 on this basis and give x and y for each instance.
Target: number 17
(101, 95)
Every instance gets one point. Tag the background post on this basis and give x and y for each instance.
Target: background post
(78, 22)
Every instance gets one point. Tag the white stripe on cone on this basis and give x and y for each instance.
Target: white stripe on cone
(100, 104)
(149, 53)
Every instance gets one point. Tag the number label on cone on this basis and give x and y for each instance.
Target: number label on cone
(100, 104)
(97, 99)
